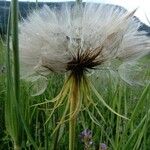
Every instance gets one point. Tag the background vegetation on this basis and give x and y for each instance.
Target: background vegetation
(115, 132)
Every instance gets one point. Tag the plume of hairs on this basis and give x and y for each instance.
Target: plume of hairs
(76, 40)
(50, 39)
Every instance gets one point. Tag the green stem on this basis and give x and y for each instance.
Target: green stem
(56, 136)
(36, 4)
(78, 1)
(72, 120)
(15, 47)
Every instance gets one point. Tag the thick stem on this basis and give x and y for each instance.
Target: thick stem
(73, 103)
(79, 1)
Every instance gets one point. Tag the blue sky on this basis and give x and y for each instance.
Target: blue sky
(142, 5)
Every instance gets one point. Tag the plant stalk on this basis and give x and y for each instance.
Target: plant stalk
(78, 1)
(20, 122)
(15, 47)
(72, 120)
(16, 71)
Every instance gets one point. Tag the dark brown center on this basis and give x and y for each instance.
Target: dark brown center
(84, 61)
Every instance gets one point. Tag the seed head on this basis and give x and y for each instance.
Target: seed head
(79, 39)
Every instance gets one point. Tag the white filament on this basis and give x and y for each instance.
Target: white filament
(51, 37)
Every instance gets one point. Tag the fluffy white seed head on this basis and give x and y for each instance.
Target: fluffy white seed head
(53, 40)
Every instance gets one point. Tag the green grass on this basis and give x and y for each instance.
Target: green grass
(117, 133)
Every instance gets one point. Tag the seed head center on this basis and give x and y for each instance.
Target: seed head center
(83, 62)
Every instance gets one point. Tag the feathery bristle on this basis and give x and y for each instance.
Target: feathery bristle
(71, 40)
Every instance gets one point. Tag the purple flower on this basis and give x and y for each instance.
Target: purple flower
(86, 138)
(103, 146)
(86, 135)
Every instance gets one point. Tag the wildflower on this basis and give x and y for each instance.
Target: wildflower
(76, 40)
(86, 135)
(103, 146)
(86, 138)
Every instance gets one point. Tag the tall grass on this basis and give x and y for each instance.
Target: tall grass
(14, 106)
(13, 124)
(25, 120)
